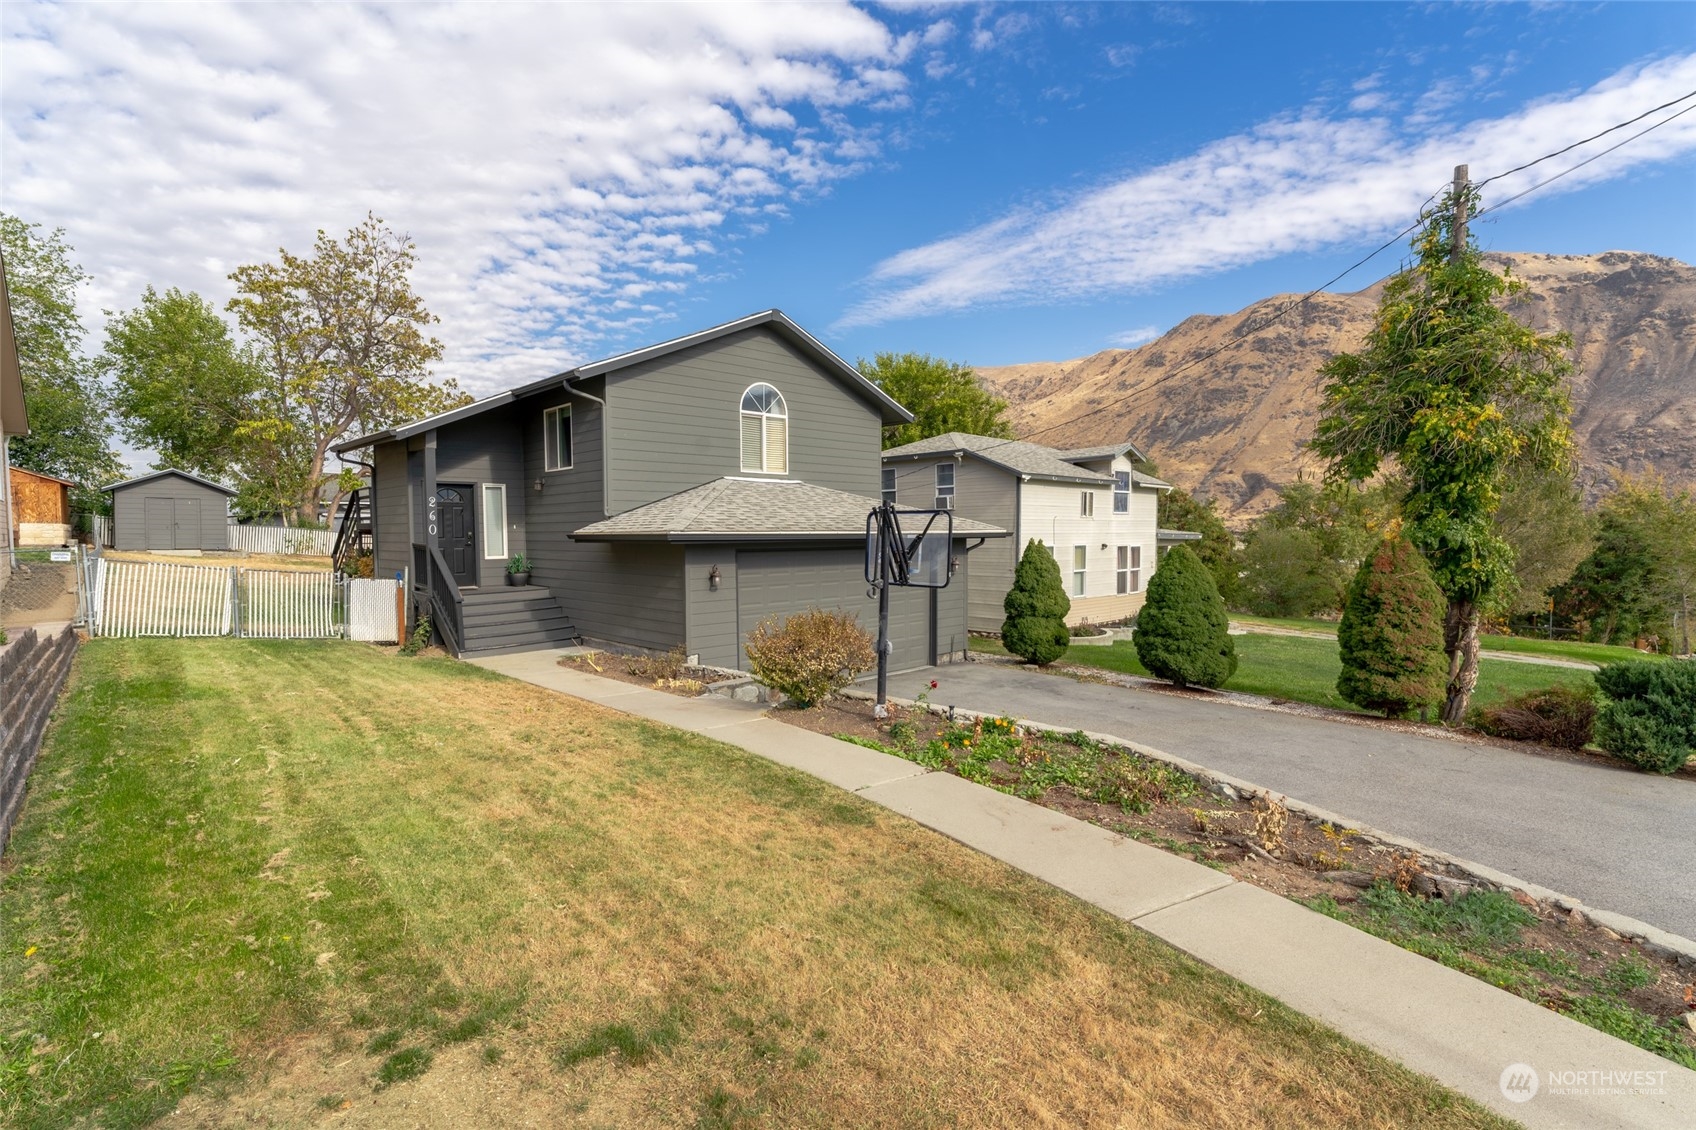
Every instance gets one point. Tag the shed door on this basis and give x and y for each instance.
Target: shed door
(187, 521)
(160, 531)
(784, 582)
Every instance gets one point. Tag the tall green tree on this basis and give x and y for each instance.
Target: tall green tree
(942, 396)
(1286, 572)
(1663, 521)
(70, 433)
(180, 383)
(344, 344)
(1543, 520)
(1611, 593)
(1455, 391)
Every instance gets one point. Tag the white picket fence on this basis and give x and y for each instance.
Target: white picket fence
(158, 599)
(282, 540)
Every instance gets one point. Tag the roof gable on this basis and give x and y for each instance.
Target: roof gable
(139, 479)
(1020, 457)
(774, 320)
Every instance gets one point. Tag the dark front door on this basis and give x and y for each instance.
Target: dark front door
(458, 541)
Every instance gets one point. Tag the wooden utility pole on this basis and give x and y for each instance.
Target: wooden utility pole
(1457, 245)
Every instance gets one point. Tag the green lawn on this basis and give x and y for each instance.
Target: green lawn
(1305, 670)
(1597, 653)
(271, 880)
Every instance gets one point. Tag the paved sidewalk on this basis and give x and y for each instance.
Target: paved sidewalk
(1460, 1031)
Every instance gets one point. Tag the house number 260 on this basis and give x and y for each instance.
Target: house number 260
(431, 519)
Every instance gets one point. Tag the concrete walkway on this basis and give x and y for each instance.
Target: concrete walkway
(1614, 838)
(1459, 1031)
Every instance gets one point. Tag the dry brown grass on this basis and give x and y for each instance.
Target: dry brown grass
(472, 846)
(290, 562)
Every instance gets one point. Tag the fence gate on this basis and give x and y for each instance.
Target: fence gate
(134, 598)
(282, 605)
(45, 585)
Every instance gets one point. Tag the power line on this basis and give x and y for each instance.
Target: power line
(1586, 161)
(1593, 137)
(1276, 315)
(1250, 332)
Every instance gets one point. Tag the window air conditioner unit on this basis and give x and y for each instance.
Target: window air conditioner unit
(944, 502)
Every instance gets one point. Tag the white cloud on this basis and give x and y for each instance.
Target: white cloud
(1295, 183)
(566, 170)
(1130, 339)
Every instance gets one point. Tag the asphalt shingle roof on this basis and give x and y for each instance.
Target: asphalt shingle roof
(1016, 455)
(737, 508)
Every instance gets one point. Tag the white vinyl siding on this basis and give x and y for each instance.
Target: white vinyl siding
(1050, 511)
(1080, 569)
(494, 521)
(556, 438)
(765, 431)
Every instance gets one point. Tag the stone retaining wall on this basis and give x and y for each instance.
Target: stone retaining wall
(33, 667)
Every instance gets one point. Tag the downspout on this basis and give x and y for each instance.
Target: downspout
(606, 448)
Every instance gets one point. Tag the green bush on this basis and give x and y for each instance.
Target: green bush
(1564, 717)
(1650, 718)
(1182, 632)
(1390, 640)
(811, 655)
(1036, 607)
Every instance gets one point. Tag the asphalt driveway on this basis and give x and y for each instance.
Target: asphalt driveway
(1617, 839)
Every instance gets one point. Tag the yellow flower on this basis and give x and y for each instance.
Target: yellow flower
(30, 952)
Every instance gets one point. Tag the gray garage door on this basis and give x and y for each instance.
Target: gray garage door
(784, 582)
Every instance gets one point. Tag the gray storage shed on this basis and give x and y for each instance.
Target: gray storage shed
(170, 510)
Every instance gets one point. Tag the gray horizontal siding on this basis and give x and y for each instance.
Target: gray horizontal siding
(391, 509)
(129, 512)
(675, 422)
(489, 448)
(982, 493)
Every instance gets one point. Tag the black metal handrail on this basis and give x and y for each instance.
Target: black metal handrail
(347, 533)
(446, 601)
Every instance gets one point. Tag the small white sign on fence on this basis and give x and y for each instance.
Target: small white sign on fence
(60, 556)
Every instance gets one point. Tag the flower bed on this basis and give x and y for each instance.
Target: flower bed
(1556, 957)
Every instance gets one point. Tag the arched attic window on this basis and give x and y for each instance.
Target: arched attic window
(765, 430)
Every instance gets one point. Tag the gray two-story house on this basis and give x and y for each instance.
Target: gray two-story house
(673, 495)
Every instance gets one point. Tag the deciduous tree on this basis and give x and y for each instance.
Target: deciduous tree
(70, 432)
(1543, 520)
(1455, 392)
(180, 383)
(343, 340)
(942, 396)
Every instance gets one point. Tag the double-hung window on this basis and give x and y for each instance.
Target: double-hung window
(556, 438)
(944, 485)
(1130, 568)
(1080, 568)
(1121, 492)
(494, 520)
(1086, 504)
(889, 485)
(765, 430)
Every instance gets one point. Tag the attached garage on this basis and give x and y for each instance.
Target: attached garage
(170, 511)
(783, 582)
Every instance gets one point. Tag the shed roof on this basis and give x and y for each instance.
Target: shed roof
(739, 509)
(17, 470)
(775, 320)
(139, 479)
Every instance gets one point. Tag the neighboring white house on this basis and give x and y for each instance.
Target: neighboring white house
(1091, 506)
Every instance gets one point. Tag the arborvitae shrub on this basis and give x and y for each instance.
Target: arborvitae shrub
(1036, 608)
(1183, 634)
(811, 655)
(1650, 718)
(1390, 639)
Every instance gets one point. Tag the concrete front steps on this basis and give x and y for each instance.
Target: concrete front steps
(513, 619)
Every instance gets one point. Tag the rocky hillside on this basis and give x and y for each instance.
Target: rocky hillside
(1233, 428)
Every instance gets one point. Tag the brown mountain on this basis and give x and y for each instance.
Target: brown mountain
(1233, 427)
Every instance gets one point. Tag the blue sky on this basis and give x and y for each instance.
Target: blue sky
(992, 183)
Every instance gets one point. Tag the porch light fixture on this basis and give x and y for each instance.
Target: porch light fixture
(713, 578)
(538, 484)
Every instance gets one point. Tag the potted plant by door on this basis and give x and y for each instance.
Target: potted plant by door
(518, 570)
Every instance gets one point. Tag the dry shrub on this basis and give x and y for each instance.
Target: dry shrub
(1270, 820)
(1564, 717)
(811, 655)
(660, 668)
